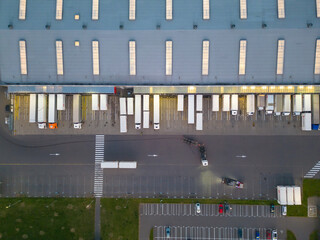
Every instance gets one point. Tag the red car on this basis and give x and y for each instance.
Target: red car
(268, 234)
(220, 208)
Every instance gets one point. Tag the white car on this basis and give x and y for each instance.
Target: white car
(274, 234)
(198, 209)
(284, 210)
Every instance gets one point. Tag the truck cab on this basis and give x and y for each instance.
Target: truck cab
(53, 125)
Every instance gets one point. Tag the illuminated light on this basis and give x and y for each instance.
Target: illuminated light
(301, 87)
(281, 87)
(132, 57)
(253, 87)
(95, 9)
(243, 9)
(206, 9)
(95, 58)
(318, 8)
(76, 43)
(168, 58)
(280, 57)
(310, 87)
(242, 57)
(264, 87)
(22, 9)
(76, 17)
(281, 10)
(59, 7)
(168, 9)
(59, 56)
(132, 9)
(244, 87)
(317, 58)
(272, 87)
(23, 57)
(205, 57)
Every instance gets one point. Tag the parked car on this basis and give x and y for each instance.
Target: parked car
(198, 209)
(257, 234)
(167, 232)
(271, 208)
(284, 210)
(220, 208)
(274, 234)
(268, 234)
(240, 233)
(7, 108)
(227, 208)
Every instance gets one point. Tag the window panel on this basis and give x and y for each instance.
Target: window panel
(281, 10)
(168, 9)
(206, 9)
(132, 9)
(132, 57)
(242, 57)
(318, 8)
(280, 56)
(317, 58)
(168, 57)
(205, 57)
(95, 58)
(95, 9)
(243, 9)
(59, 55)
(59, 7)
(23, 57)
(22, 9)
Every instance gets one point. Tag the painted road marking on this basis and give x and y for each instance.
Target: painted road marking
(313, 171)
(98, 172)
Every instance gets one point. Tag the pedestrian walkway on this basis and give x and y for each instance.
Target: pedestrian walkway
(313, 171)
(98, 172)
(165, 209)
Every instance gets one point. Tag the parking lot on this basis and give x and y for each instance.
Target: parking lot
(152, 209)
(171, 121)
(209, 233)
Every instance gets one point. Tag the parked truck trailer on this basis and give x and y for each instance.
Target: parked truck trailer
(77, 111)
(234, 104)
(61, 102)
(278, 105)
(261, 102)
(137, 111)
(306, 104)
(315, 111)
(190, 109)
(269, 104)
(286, 105)
(156, 112)
(297, 104)
(250, 104)
(226, 103)
(42, 111)
(52, 112)
(306, 121)
(32, 108)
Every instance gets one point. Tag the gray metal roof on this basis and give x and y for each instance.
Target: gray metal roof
(150, 43)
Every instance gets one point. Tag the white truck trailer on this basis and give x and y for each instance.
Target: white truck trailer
(130, 105)
(77, 116)
(42, 111)
(315, 109)
(278, 105)
(123, 123)
(306, 105)
(180, 103)
(297, 195)
(290, 197)
(95, 102)
(226, 103)
(32, 108)
(234, 104)
(190, 109)
(61, 102)
(269, 104)
(156, 112)
(199, 122)
(215, 103)
(146, 102)
(286, 105)
(123, 106)
(127, 164)
(261, 102)
(199, 103)
(110, 164)
(103, 102)
(146, 119)
(250, 104)
(52, 112)
(306, 121)
(282, 195)
(137, 111)
(297, 104)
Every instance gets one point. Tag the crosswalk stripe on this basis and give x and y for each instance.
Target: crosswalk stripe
(98, 172)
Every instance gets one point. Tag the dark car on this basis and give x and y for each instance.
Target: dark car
(271, 208)
(257, 234)
(227, 208)
(220, 208)
(168, 232)
(7, 108)
(240, 233)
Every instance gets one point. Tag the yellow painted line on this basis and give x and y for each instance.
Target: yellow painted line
(46, 164)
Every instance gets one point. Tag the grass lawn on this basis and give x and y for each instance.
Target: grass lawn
(290, 235)
(120, 217)
(46, 218)
(314, 235)
(311, 187)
